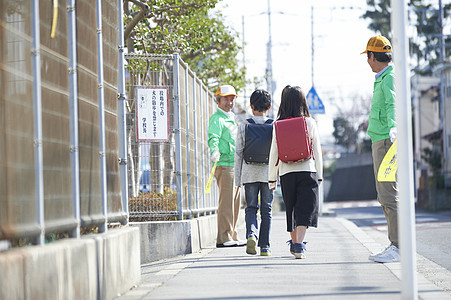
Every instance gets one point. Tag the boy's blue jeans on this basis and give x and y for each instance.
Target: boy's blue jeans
(252, 190)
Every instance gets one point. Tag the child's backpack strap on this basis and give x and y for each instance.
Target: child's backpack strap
(269, 121)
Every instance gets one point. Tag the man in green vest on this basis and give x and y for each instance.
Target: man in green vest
(382, 131)
(221, 141)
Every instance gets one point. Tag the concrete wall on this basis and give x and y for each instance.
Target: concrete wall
(101, 266)
(160, 240)
(353, 179)
(94, 267)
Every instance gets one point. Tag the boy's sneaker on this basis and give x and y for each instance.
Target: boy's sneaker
(251, 247)
(298, 250)
(265, 251)
(388, 255)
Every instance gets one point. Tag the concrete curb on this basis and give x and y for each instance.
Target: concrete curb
(99, 266)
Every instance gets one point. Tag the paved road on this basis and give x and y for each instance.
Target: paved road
(433, 235)
(337, 267)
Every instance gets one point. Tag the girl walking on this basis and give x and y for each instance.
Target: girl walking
(299, 180)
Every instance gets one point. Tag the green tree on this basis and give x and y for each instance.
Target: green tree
(344, 133)
(379, 15)
(190, 28)
(433, 157)
(427, 49)
(193, 29)
(351, 124)
(424, 47)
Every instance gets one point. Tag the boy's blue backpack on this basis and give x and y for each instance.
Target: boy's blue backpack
(257, 142)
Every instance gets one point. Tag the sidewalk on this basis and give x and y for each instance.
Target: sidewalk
(336, 267)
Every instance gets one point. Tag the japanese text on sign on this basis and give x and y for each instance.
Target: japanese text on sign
(152, 120)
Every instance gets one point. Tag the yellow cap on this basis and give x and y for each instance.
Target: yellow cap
(378, 43)
(226, 90)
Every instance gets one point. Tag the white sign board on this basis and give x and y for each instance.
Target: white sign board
(152, 114)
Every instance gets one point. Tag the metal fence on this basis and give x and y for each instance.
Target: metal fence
(66, 113)
(167, 179)
(59, 128)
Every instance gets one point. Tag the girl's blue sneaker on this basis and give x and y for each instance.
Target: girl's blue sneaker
(299, 249)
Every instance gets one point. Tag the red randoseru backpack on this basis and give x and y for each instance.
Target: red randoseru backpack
(292, 139)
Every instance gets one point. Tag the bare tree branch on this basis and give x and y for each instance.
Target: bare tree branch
(136, 19)
(144, 11)
(140, 4)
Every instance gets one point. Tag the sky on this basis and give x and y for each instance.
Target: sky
(339, 36)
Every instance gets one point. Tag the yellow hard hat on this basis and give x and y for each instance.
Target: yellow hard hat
(378, 43)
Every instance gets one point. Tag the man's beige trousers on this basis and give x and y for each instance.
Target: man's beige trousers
(229, 205)
(387, 192)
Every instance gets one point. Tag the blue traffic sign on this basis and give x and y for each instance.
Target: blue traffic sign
(315, 105)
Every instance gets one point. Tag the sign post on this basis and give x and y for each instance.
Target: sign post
(316, 106)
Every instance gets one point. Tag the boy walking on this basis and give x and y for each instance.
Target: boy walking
(252, 172)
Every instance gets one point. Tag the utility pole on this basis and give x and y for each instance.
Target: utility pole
(269, 81)
(442, 93)
(244, 64)
(313, 47)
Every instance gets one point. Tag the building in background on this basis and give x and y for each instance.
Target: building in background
(432, 139)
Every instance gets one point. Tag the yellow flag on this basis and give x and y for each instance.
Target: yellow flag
(389, 165)
(55, 18)
(210, 179)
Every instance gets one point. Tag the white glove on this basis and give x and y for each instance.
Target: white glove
(272, 185)
(215, 156)
(392, 134)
